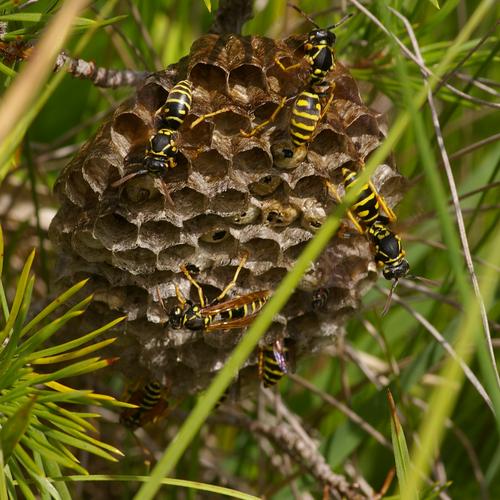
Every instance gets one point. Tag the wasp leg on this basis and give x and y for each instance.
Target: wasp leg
(286, 68)
(233, 281)
(267, 122)
(160, 300)
(127, 177)
(260, 364)
(208, 115)
(328, 103)
(181, 299)
(163, 188)
(332, 191)
(194, 283)
(389, 212)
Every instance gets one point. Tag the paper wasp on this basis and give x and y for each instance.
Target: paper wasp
(319, 49)
(369, 219)
(161, 152)
(151, 403)
(219, 314)
(273, 363)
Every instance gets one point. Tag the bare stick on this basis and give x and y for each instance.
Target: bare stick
(231, 16)
(99, 76)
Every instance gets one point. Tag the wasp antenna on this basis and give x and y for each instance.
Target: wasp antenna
(342, 21)
(424, 280)
(302, 13)
(389, 298)
(123, 180)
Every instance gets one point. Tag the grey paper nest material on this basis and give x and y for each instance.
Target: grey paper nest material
(229, 197)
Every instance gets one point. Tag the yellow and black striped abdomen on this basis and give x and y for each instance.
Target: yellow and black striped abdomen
(367, 207)
(177, 106)
(306, 113)
(244, 310)
(271, 369)
(152, 394)
(151, 405)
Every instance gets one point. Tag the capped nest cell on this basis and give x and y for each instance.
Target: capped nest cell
(232, 195)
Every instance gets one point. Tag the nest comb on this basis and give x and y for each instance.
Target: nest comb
(231, 195)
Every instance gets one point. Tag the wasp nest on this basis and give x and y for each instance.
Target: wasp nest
(232, 195)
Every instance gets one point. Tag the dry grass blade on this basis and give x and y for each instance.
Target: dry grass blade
(419, 62)
(477, 83)
(455, 197)
(465, 58)
(353, 416)
(448, 348)
(25, 88)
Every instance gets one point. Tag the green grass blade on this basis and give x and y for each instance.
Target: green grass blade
(18, 298)
(61, 299)
(51, 454)
(37, 360)
(14, 428)
(80, 340)
(219, 490)
(21, 481)
(208, 4)
(46, 332)
(401, 453)
(82, 444)
(3, 478)
(443, 398)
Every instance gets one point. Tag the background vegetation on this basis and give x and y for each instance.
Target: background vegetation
(449, 415)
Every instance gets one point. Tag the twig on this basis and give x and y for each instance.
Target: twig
(456, 202)
(442, 246)
(419, 63)
(476, 145)
(486, 187)
(353, 416)
(357, 359)
(352, 470)
(231, 16)
(101, 77)
(446, 346)
(79, 68)
(302, 452)
(477, 83)
(419, 287)
(308, 457)
(464, 59)
(382, 342)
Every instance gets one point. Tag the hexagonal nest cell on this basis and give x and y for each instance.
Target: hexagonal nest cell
(232, 196)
